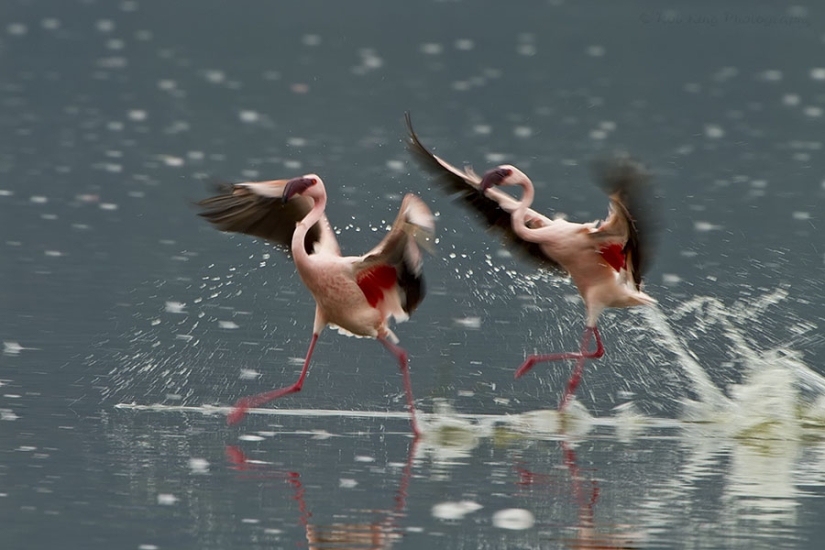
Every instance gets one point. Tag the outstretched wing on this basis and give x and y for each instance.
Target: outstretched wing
(394, 265)
(634, 210)
(493, 207)
(258, 209)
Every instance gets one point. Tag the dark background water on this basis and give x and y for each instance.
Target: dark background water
(116, 116)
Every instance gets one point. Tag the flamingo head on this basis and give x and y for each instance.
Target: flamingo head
(309, 185)
(506, 174)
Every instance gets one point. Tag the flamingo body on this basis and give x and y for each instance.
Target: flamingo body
(605, 259)
(355, 294)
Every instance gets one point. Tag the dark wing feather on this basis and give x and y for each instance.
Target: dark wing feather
(414, 226)
(466, 185)
(632, 196)
(239, 210)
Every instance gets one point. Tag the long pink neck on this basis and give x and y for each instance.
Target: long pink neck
(299, 252)
(519, 213)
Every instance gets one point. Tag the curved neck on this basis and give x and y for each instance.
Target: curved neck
(521, 210)
(303, 226)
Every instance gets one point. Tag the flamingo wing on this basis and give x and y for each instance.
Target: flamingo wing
(633, 217)
(258, 209)
(495, 207)
(397, 260)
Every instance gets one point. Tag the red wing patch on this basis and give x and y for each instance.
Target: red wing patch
(614, 255)
(374, 281)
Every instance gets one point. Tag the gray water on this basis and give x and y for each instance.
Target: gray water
(129, 325)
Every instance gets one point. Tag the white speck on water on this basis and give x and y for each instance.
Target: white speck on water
(363, 458)
(495, 157)
(347, 483)
(293, 164)
(503, 401)
(167, 85)
(167, 499)
(12, 348)
(175, 307)
(771, 75)
(454, 510)
(482, 129)
(311, 40)
(813, 111)
(17, 29)
(522, 131)
(464, 44)
(396, 165)
(249, 117)
(598, 134)
(6, 193)
(115, 44)
(53, 253)
(170, 160)
(801, 216)
(105, 25)
(514, 519)
(671, 279)
(527, 49)
(432, 48)
(50, 23)
(791, 100)
(818, 73)
(607, 125)
(129, 5)
(148, 547)
(37, 199)
(229, 325)
(108, 206)
(468, 322)
(7, 415)
(250, 437)
(596, 51)
(705, 226)
(251, 521)
(196, 155)
(137, 115)
(199, 465)
(296, 142)
(714, 131)
(214, 76)
(249, 374)
(273, 531)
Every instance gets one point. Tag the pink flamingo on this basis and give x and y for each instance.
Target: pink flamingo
(605, 259)
(355, 294)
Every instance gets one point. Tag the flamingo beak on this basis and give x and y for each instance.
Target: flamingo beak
(493, 177)
(296, 186)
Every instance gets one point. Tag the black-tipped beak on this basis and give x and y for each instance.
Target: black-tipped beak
(296, 186)
(493, 177)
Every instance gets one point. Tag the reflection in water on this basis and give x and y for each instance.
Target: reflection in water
(376, 535)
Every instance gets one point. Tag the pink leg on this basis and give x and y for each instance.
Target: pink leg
(580, 357)
(244, 404)
(401, 355)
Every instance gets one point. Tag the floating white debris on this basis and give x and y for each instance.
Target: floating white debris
(229, 325)
(105, 25)
(771, 75)
(199, 465)
(108, 206)
(250, 437)
(801, 216)
(596, 51)
(167, 499)
(522, 131)
(818, 73)
(249, 117)
(482, 129)
(148, 547)
(17, 29)
(514, 518)
(432, 48)
(791, 100)
(468, 322)
(296, 142)
(813, 111)
(714, 131)
(249, 374)
(53, 253)
(50, 24)
(347, 483)
(251, 521)
(6, 193)
(175, 307)
(362, 458)
(12, 348)
(464, 44)
(169, 160)
(293, 164)
(311, 40)
(705, 226)
(495, 157)
(167, 85)
(396, 165)
(671, 279)
(454, 510)
(37, 199)
(137, 115)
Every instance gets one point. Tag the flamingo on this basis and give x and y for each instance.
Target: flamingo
(355, 294)
(605, 259)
